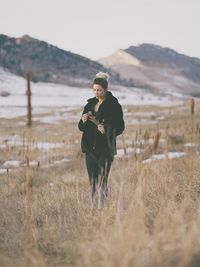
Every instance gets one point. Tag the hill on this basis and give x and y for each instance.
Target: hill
(158, 68)
(48, 63)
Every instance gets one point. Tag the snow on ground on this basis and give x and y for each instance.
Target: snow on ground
(190, 145)
(144, 117)
(169, 155)
(129, 150)
(14, 164)
(3, 171)
(58, 162)
(11, 164)
(38, 145)
(16, 140)
(48, 96)
(136, 96)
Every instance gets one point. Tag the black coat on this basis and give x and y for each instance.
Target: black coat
(110, 114)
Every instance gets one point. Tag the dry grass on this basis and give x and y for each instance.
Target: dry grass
(151, 218)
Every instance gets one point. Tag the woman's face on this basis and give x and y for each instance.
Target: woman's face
(99, 91)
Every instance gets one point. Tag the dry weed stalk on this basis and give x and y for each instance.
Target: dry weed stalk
(27, 208)
(192, 106)
(136, 137)
(192, 112)
(156, 142)
(146, 136)
(31, 253)
(124, 145)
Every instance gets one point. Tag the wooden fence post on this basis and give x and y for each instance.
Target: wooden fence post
(29, 107)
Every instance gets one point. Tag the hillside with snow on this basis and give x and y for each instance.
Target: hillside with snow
(45, 96)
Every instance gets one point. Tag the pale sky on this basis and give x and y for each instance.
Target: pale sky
(95, 29)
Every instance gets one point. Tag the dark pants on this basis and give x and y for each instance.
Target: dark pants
(98, 167)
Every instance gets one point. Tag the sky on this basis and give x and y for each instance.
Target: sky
(95, 29)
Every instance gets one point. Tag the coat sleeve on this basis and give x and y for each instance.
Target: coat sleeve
(81, 125)
(117, 120)
(120, 126)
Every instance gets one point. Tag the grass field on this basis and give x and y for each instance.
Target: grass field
(152, 215)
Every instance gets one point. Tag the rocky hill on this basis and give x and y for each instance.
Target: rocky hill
(48, 63)
(158, 68)
(157, 55)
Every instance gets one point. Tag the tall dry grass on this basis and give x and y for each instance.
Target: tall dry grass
(151, 217)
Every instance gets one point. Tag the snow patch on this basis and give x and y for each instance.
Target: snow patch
(3, 171)
(169, 155)
(17, 141)
(11, 164)
(189, 145)
(129, 150)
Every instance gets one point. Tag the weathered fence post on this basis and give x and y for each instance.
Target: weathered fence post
(29, 107)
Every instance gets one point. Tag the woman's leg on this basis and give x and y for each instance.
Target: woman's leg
(92, 169)
(104, 162)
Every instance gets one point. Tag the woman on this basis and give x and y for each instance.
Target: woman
(102, 120)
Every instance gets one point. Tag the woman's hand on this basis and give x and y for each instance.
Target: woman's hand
(101, 128)
(85, 117)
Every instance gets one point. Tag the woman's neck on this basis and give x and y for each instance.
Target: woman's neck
(100, 100)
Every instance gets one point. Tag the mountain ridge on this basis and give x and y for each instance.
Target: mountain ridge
(167, 56)
(162, 69)
(146, 66)
(48, 63)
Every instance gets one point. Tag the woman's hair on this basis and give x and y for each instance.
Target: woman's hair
(102, 79)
